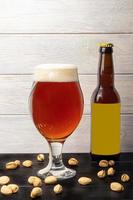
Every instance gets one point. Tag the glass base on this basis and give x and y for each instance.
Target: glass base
(55, 165)
(60, 174)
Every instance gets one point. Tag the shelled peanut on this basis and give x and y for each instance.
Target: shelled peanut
(114, 186)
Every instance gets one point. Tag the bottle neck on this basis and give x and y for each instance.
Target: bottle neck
(106, 70)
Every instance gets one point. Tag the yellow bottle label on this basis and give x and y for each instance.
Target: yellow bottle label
(105, 129)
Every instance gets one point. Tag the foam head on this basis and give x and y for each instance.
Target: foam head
(56, 73)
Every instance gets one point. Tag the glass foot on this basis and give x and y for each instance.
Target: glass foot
(55, 165)
(61, 174)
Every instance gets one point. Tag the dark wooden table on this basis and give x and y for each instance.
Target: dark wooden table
(99, 189)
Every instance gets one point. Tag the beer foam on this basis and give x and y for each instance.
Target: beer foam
(56, 73)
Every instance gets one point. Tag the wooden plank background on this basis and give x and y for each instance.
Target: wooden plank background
(15, 90)
(20, 53)
(61, 31)
(62, 16)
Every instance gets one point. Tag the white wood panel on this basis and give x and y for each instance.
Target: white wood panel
(21, 53)
(18, 135)
(39, 16)
(15, 90)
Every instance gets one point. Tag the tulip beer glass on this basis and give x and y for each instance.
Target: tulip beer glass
(56, 103)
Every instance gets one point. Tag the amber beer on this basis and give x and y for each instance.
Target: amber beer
(105, 110)
(57, 103)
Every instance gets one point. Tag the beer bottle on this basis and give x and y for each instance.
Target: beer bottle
(105, 110)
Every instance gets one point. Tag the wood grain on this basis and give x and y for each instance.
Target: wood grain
(15, 92)
(18, 134)
(57, 16)
(60, 31)
(19, 54)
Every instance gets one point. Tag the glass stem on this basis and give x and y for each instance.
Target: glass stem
(55, 166)
(55, 155)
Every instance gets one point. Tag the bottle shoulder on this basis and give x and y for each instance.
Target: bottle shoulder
(105, 95)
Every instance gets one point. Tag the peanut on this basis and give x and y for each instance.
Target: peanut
(101, 174)
(103, 163)
(17, 162)
(125, 177)
(111, 163)
(117, 187)
(31, 179)
(27, 163)
(35, 181)
(40, 157)
(84, 180)
(11, 165)
(4, 180)
(6, 190)
(50, 180)
(36, 192)
(110, 171)
(73, 161)
(14, 188)
(58, 189)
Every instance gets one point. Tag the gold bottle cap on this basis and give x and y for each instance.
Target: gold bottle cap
(105, 44)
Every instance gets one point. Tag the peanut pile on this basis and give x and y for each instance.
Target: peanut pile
(114, 186)
(8, 188)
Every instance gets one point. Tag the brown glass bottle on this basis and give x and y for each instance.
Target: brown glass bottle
(105, 110)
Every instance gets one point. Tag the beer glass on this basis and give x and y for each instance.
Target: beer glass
(56, 103)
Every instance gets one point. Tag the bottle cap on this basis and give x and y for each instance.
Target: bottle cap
(106, 47)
